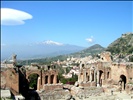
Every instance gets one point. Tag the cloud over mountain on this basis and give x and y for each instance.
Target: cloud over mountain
(13, 17)
(90, 40)
(49, 42)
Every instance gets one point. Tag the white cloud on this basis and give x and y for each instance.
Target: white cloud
(13, 17)
(90, 40)
(49, 42)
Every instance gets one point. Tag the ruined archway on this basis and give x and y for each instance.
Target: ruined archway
(46, 79)
(100, 77)
(123, 81)
(52, 79)
(33, 80)
(83, 65)
(92, 74)
(87, 77)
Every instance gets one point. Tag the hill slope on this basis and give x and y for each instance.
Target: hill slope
(93, 50)
(123, 45)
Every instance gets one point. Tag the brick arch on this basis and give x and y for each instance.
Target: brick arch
(39, 80)
(123, 81)
(101, 77)
(28, 73)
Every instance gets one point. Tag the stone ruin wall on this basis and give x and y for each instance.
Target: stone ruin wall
(106, 56)
(106, 72)
(10, 80)
(121, 69)
(46, 80)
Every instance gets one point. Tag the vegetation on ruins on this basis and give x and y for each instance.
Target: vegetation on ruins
(33, 80)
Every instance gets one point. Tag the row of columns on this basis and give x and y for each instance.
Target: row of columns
(50, 79)
(94, 76)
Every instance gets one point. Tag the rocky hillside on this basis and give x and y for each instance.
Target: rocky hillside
(122, 48)
(123, 45)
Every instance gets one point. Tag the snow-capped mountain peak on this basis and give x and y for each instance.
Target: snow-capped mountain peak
(49, 42)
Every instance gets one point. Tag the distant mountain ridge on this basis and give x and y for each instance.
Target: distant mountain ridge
(122, 46)
(92, 50)
(38, 50)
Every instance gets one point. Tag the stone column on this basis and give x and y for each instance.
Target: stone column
(98, 78)
(38, 83)
(90, 76)
(80, 66)
(94, 76)
(49, 81)
(55, 79)
(79, 77)
(122, 85)
(84, 75)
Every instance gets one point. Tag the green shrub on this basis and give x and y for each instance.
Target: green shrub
(33, 80)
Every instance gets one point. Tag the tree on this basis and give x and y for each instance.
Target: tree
(131, 58)
(33, 81)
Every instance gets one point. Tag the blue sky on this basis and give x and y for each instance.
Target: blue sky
(81, 23)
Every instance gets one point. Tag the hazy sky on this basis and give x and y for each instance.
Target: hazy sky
(68, 22)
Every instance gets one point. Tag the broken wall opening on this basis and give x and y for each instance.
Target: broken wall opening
(33, 80)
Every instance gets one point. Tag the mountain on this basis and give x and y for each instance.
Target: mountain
(38, 50)
(93, 50)
(122, 45)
